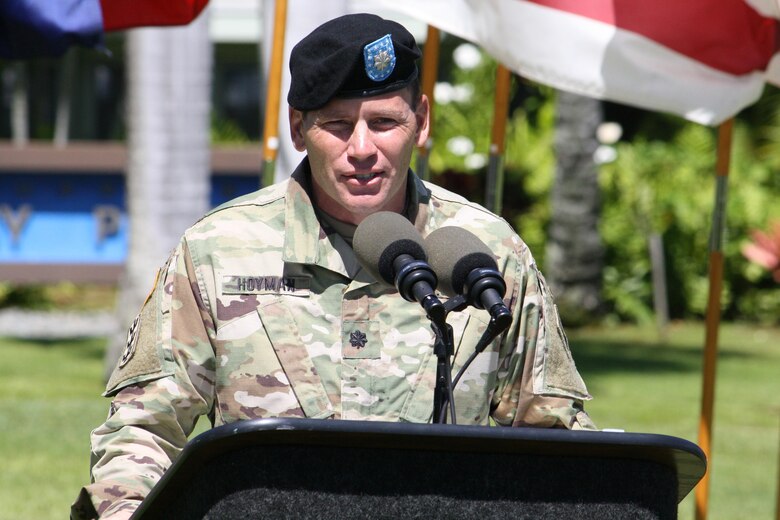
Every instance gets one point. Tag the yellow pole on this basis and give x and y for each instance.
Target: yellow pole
(429, 73)
(713, 311)
(273, 94)
(777, 496)
(495, 180)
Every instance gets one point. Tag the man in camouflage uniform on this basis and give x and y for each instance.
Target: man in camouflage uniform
(263, 309)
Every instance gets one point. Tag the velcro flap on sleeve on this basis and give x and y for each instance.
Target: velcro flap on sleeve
(559, 374)
(142, 358)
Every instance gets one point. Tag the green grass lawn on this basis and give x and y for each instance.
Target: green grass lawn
(49, 402)
(641, 384)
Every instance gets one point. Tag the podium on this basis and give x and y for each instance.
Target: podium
(308, 468)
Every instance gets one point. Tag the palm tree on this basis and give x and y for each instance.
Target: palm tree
(574, 255)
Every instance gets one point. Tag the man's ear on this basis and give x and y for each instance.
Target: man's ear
(296, 129)
(422, 114)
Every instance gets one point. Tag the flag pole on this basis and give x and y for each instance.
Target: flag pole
(713, 310)
(494, 189)
(777, 496)
(273, 94)
(429, 73)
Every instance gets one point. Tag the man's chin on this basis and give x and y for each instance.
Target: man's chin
(365, 204)
(359, 211)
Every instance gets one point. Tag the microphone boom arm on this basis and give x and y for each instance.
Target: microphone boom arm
(498, 324)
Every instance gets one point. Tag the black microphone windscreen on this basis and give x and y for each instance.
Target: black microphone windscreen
(380, 238)
(454, 252)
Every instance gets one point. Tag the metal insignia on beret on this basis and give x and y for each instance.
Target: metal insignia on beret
(132, 339)
(379, 58)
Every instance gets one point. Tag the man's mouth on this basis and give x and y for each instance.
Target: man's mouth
(365, 176)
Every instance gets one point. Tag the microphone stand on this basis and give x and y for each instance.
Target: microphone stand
(415, 281)
(444, 349)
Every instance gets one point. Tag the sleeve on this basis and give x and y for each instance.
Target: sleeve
(539, 384)
(162, 384)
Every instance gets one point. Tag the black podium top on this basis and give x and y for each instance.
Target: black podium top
(682, 458)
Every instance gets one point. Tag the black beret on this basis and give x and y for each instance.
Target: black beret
(355, 55)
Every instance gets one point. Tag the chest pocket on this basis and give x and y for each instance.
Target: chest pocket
(283, 332)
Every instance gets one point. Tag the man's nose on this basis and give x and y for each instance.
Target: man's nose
(361, 143)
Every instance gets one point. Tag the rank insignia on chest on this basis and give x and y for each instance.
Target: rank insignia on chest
(355, 342)
(379, 58)
(357, 339)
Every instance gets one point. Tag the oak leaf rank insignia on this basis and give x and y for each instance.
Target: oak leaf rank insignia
(357, 339)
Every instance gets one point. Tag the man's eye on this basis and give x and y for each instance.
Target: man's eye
(336, 125)
(384, 123)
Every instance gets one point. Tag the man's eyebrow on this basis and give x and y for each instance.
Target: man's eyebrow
(389, 113)
(330, 114)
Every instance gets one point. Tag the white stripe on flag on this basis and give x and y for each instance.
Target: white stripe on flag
(768, 8)
(592, 58)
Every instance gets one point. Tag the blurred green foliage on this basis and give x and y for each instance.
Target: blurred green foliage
(662, 181)
(226, 131)
(61, 295)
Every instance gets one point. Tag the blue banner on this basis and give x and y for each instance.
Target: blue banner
(77, 218)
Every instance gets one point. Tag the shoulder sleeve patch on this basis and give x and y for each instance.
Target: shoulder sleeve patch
(141, 359)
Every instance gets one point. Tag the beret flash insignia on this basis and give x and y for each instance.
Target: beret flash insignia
(379, 58)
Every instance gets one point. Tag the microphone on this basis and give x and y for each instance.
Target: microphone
(466, 267)
(390, 248)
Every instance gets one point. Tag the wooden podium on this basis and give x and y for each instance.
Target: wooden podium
(307, 469)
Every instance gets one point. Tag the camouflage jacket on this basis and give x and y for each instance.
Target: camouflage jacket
(263, 311)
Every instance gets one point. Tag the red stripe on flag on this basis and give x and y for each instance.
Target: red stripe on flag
(725, 34)
(124, 14)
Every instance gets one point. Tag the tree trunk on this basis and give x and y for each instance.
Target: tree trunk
(574, 252)
(168, 171)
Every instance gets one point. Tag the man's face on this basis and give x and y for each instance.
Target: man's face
(359, 150)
